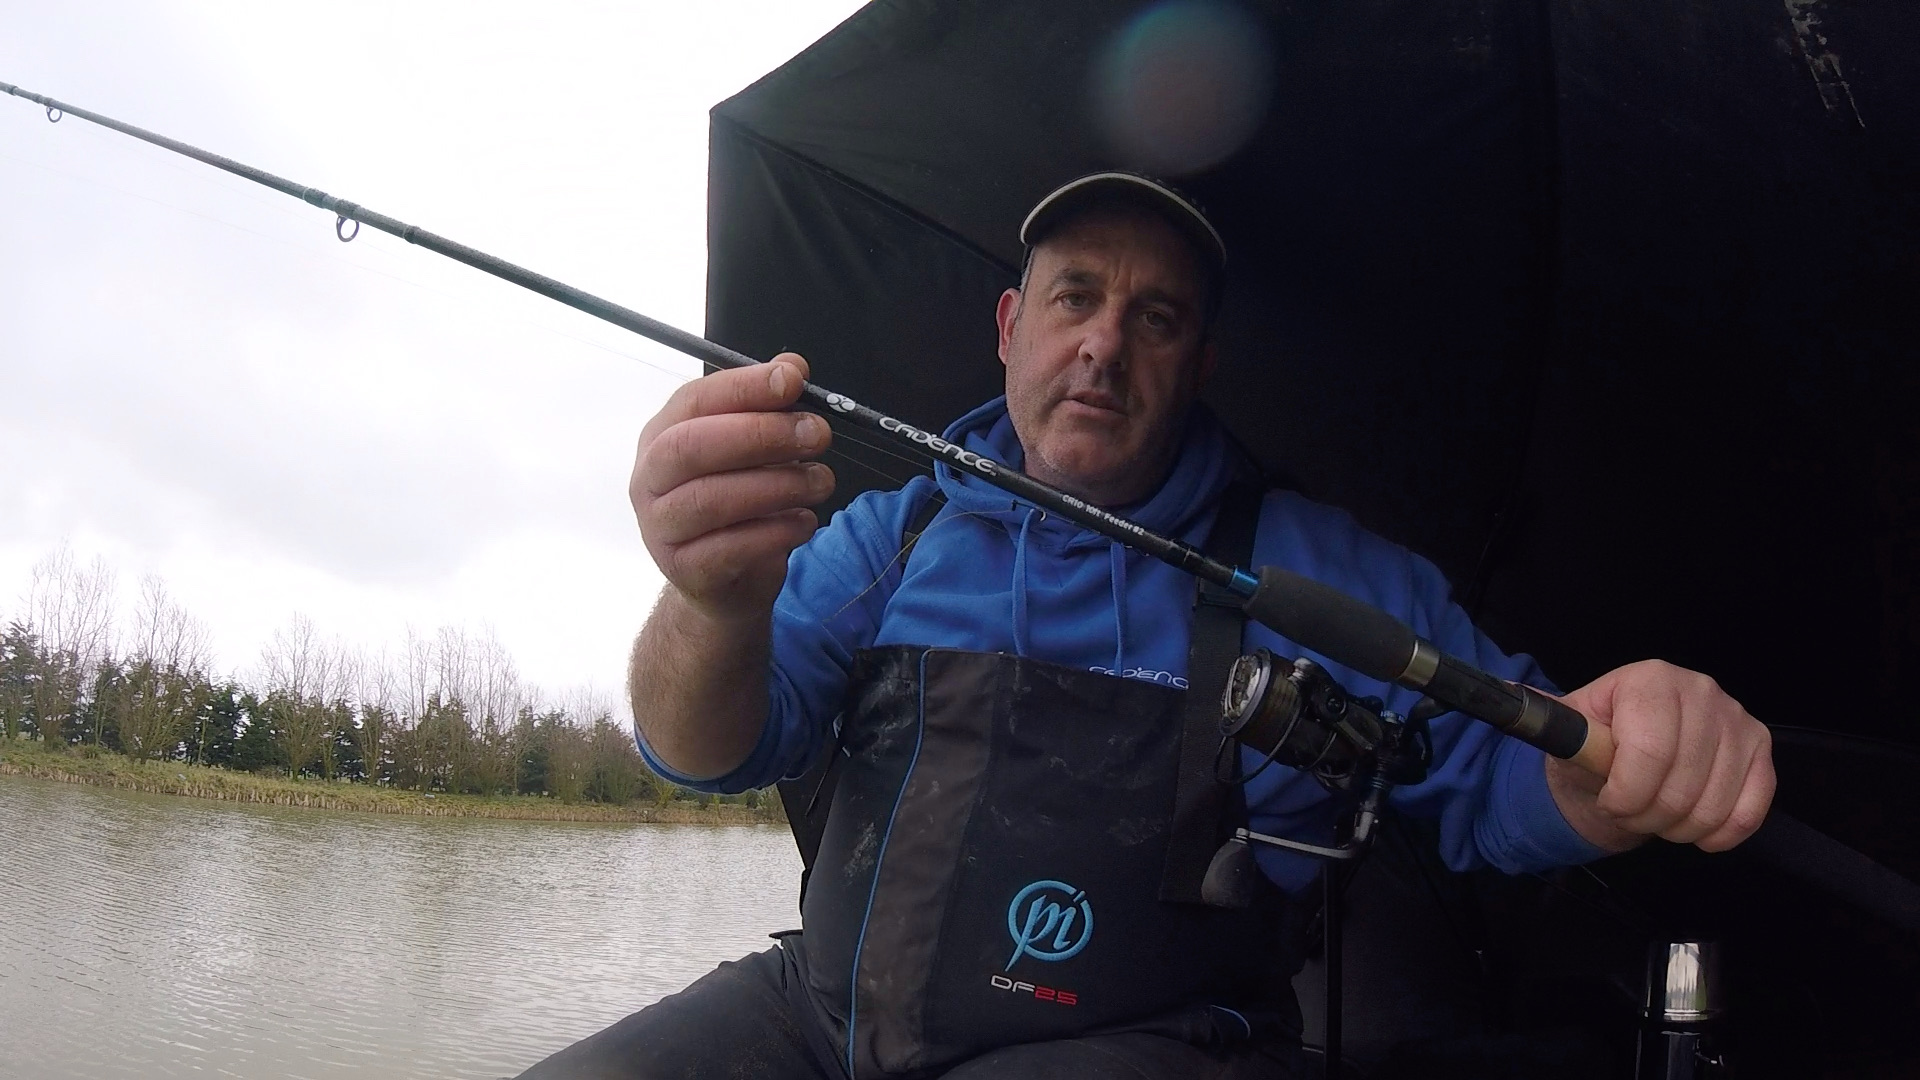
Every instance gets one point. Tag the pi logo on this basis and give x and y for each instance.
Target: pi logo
(1049, 920)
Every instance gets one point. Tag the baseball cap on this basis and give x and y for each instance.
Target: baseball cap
(1125, 188)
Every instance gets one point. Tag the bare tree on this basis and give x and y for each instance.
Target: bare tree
(374, 690)
(155, 707)
(496, 693)
(494, 681)
(165, 682)
(452, 663)
(412, 689)
(70, 611)
(418, 667)
(473, 693)
(293, 659)
(302, 676)
(450, 711)
(166, 633)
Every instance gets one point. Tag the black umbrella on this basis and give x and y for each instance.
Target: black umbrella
(1608, 308)
(1609, 311)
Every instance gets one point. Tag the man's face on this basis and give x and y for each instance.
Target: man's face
(1105, 351)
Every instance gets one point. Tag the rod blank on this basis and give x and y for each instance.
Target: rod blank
(1310, 614)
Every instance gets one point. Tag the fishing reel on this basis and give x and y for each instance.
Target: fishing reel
(1296, 715)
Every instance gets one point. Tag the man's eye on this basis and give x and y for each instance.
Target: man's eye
(1074, 300)
(1157, 320)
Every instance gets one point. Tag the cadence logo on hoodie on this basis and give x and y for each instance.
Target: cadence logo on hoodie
(1164, 678)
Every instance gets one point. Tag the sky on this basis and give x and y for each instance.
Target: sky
(200, 382)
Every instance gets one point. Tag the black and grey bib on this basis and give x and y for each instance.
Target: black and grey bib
(1012, 852)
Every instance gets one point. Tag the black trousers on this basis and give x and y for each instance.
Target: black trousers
(751, 1018)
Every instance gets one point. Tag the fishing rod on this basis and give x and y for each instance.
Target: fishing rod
(1314, 616)
(1311, 614)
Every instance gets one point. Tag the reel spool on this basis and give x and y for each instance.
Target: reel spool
(1294, 713)
(1297, 715)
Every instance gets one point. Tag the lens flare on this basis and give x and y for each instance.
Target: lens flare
(1183, 85)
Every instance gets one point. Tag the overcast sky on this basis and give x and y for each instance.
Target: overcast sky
(198, 380)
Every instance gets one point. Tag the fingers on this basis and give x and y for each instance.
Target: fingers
(728, 442)
(708, 503)
(1750, 809)
(765, 387)
(1691, 765)
(1678, 722)
(1643, 713)
(1688, 811)
(722, 481)
(742, 562)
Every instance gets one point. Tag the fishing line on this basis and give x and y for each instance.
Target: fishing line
(215, 180)
(1309, 614)
(917, 465)
(1300, 609)
(472, 303)
(1312, 615)
(901, 557)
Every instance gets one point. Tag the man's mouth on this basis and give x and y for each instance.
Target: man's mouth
(1103, 402)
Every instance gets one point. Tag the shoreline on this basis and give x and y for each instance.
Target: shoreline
(109, 769)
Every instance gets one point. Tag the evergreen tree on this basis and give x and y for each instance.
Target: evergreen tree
(216, 726)
(440, 744)
(348, 764)
(97, 714)
(531, 760)
(619, 773)
(569, 764)
(373, 737)
(19, 656)
(259, 747)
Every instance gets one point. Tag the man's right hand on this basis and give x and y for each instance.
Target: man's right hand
(722, 482)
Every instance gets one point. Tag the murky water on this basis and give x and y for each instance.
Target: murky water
(153, 936)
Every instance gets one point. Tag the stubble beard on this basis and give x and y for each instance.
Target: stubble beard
(1123, 482)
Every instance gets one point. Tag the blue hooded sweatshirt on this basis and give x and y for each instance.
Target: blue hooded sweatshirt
(992, 573)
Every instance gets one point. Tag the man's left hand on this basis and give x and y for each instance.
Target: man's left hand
(1690, 765)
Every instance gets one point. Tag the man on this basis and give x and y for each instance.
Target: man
(997, 892)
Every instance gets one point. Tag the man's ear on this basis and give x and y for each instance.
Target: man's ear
(1209, 356)
(1005, 313)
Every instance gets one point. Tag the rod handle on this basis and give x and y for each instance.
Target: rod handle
(1596, 748)
(1320, 617)
(1374, 643)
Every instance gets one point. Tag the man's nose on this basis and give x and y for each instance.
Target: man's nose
(1103, 341)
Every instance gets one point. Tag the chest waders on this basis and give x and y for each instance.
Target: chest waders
(1012, 852)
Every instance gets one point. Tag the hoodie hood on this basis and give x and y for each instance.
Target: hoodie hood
(1183, 504)
(1038, 585)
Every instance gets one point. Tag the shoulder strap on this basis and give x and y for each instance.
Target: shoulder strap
(1202, 806)
(807, 797)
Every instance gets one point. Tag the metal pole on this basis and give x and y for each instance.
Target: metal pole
(1332, 945)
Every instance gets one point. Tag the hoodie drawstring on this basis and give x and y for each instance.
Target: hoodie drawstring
(1116, 559)
(1020, 586)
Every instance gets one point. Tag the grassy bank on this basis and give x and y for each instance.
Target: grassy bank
(106, 769)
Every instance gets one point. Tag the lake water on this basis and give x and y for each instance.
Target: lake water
(155, 936)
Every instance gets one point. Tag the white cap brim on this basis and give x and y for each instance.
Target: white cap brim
(1077, 194)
